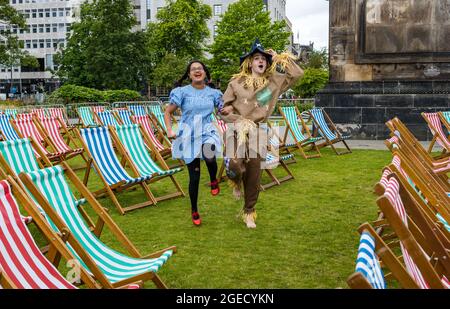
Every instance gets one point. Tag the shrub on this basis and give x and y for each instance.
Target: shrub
(121, 95)
(77, 94)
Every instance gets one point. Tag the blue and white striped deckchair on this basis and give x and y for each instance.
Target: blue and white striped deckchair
(86, 116)
(133, 140)
(118, 268)
(270, 163)
(296, 126)
(328, 130)
(98, 144)
(137, 110)
(6, 129)
(124, 115)
(157, 112)
(367, 262)
(106, 118)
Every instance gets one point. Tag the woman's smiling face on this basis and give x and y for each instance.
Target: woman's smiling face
(258, 64)
(197, 73)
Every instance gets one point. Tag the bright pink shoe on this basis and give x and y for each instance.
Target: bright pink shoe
(215, 189)
(196, 218)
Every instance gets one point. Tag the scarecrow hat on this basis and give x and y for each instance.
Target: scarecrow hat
(257, 48)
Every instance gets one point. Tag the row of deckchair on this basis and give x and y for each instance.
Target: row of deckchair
(410, 241)
(436, 122)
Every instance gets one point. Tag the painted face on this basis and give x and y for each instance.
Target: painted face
(197, 73)
(259, 63)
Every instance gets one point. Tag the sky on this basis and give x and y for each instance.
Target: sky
(309, 20)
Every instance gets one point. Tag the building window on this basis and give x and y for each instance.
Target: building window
(217, 9)
(215, 30)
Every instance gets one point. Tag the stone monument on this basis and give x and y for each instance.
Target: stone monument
(387, 58)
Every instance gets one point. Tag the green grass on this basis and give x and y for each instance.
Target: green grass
(306, 233)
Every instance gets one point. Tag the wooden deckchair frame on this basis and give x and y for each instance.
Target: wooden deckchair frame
(389, 259)
(332, 126)
(300, 144)
(409, 242)
(436, 135)
(118, 187)
(159, 160)
(43, 202)
(57, 247)
(283, 149)
(275, 180)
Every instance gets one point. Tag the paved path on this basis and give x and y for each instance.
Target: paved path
(374, 145)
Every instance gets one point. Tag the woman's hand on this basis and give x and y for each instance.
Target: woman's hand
(271, 52)
(226, 110)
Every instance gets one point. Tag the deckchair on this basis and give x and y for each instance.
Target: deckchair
(7, 131)
(302, 140)
(416, 261)
(39, 112)
(277, 143)
(369, 274)
(105, 118)
(27, 116)
(98, 145)
(157, 115)
(445, 118)
(130, 141)
(123, 116)
(55, 128)
(271, 162)
(86, 116)
(58, 112)
(327, 129)
(26, 127)
(22, 264)
(11, 112)
(137, 110)
(435, 126)
(110, 267)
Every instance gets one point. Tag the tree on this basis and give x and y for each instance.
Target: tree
(102, 51)
(312, 81)
(317, 59)
(178, 37)
(11, 49)
(243, 22)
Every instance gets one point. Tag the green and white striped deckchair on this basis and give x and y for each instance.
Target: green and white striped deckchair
(327, 129)
(132, 140)
(296, 126)
(86, 116)
(445, 118)
(157, 112)
(52, 191)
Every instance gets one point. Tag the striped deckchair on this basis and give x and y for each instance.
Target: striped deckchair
(20, 258)
(54, 128)
(98, 145)
(105, 118)
(327, 129)
(26, 128)
(40, 113)
(137, 110)
(58, 112)
(27, 116)
(369, 274)
(270, 163)
(86, 116)
(439, 137)
(131, 140)
(417, 262)
(110, 267)
(7, 131)
(123, 115)
(158, 115)
(11, 112)
(445, 118)
(295, 126)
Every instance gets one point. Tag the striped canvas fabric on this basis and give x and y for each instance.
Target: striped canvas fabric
(137, 110)
(11, 112)
(87, 118)
(447, 118)
(132, 140)
(98, 109)
(20, 257)
(100, 146)
(7, 129)
(52, 126)
(318, 115)
(158, 112)
(291, 117)
(115, 265)
(435, 125)
(107, 118)
(146, 123)
(125, 116)
(57, 112)
(367, 262)
(27, 116)
(222, 125)
(271, 159)
(41, 113)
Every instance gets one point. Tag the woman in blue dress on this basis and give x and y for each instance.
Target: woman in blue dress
(197, 137)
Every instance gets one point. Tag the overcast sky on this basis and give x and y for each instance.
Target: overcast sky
(309, 20)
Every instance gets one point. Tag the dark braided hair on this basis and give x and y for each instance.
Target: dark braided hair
(185, 76)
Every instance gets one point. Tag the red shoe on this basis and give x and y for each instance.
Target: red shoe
(215, 190)
(196, 218)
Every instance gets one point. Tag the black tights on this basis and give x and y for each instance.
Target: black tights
(194, 172)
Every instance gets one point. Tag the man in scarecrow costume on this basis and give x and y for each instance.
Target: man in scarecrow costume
(249, 100)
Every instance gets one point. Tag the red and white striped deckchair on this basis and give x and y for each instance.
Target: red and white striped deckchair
(57, 112)
(146, 123)
(20, 258)
(435, 126)
(27, 129)
(24, 116)
(39, 112)
(52, 127)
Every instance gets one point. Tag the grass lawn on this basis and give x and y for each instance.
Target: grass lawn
(306, 233)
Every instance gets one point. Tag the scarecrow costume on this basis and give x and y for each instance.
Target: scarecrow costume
(253, 100)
